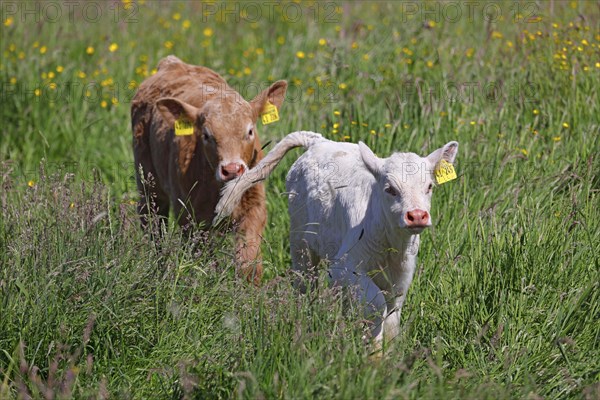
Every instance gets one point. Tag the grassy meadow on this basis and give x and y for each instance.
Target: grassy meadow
(506, 299)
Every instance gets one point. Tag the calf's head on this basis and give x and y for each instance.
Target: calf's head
(225, 125)
(404, 185)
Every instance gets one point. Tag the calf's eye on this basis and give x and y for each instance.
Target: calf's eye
(251, 133)
(429, 187)
(390, 190)
(205, 134)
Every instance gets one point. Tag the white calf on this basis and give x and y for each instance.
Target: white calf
(362, 213)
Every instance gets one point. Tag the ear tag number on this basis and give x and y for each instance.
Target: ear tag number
(444, 172)
(183, 127)
(269, 114)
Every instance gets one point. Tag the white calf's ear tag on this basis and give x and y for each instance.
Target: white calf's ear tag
(444, 172)
(183, 127)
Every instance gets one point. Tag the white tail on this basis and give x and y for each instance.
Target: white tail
(232, 192)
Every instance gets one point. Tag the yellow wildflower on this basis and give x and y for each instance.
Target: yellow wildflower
(186, 24)
(565, 125)
(322, 42)
(103, 104)
(9, 21)
(31, 183)
(336, 113)
(90, 50)
(113, 47)
(536, 112)
(300, 54)
(60, 69)
(342, 86)
(556, 138)
(208, 32)
(169, 44)
(43, 50)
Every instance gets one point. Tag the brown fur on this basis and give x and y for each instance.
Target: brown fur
(178, 169)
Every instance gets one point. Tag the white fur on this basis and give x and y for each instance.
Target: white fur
(339, 211)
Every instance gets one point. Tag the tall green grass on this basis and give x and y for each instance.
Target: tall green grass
(505, 302)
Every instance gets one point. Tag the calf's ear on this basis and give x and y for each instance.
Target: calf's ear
(373, 163)
(275, 94)
(172, 109)
(447, 153)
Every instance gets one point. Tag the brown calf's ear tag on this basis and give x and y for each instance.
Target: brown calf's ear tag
(183, 127)
(444, 172)
(269, 114)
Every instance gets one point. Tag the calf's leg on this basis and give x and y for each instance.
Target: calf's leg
(251, 216)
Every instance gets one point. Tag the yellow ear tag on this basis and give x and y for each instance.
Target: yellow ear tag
(269, 114)
(183, 127)
(444, 172)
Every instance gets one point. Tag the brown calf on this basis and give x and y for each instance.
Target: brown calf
(215, 141)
